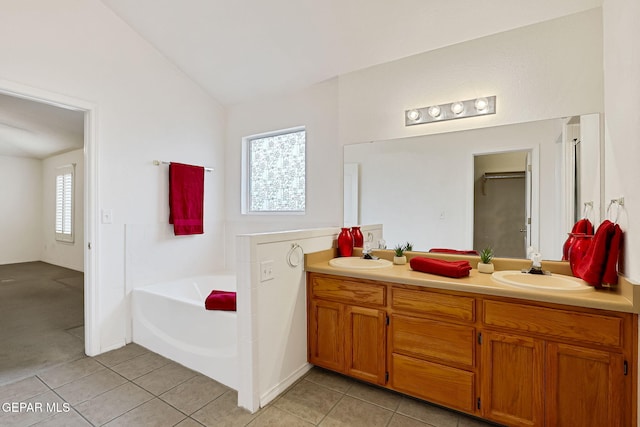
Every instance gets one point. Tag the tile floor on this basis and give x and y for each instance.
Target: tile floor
(45, 379)
(133, 386)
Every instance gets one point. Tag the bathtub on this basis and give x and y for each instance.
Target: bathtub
(170, 319)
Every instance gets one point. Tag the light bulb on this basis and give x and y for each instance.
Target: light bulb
(413, 115)
(457, 108)
(481, 104)
(434, 111)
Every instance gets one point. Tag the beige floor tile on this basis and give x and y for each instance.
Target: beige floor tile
(165, 378)
(112, 404)
(375, 395)
(353, 412)
(36, 409)
(433, 415)
(329, 379)
(154, 413)
(64, 419)
(121, 354)
(77, 332)
(308, 400)
(92, 385)
(193, 394)
(224, 412)
(140, 365)
(22, 390)
(403, 421)
(188, 422)
(67, 372)
(275, 417)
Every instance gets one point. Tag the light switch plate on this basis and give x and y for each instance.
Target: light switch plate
(107, 216)
(266, 270)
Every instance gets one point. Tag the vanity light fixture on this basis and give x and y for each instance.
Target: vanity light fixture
(454, 110)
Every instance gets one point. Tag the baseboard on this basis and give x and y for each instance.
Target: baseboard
(276, 390)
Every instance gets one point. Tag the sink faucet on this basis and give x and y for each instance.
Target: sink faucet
(536, 263)
(366, 251)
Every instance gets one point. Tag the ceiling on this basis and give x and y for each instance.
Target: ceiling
(243, 49)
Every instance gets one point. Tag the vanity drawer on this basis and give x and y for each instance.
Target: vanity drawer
(348, 291)
(431, 339)
(433, 304)
(436, 383)
(551, 322)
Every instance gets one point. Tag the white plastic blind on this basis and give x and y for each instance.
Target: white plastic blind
(64, 203)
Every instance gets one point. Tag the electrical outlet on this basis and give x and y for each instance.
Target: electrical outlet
(266, 270)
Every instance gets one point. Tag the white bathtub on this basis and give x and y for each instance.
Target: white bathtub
(170, 319)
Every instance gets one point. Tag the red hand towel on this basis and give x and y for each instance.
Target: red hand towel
(610, 276)
(592, 266)
(221, 300)
(583, 226)
(186, 199)
(440, 267)
(453, 251)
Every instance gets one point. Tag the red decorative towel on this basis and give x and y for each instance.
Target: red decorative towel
(610, 276)
(583, 226)
(591, 268)
(440, 267)
(221, 300)
(453, 251)
(186, 199)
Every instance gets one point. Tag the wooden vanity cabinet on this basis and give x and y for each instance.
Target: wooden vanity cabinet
(347, 326)
(515, 362)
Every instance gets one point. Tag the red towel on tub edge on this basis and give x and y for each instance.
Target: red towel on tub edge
(186, 199)
(221, 300)
(440, 267)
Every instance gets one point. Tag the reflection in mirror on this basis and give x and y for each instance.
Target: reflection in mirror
(421, 189)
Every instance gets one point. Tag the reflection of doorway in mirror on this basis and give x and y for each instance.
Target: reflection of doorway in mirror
(502, 203)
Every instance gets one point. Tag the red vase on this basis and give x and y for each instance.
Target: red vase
(578, 250)
(358, 238)
(345, 243)
(567, 244)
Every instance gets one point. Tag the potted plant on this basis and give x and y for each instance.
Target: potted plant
(399, 256)
(485, 265)
(408, 246)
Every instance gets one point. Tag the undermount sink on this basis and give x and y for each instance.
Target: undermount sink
(544, 282)
(355, 263)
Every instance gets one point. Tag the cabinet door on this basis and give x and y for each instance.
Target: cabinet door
(326, 334)
(512, 379)
(585, 387)
(365, 343)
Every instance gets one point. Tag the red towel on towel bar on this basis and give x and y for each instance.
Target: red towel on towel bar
(221, 300)
(441, 267)
(186, 199)
(583, 226)
(592, 267)
(610, 276)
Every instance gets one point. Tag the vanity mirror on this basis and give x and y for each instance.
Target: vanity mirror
(426, 188)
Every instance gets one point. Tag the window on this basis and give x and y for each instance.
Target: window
(64, 203)
(275, 172)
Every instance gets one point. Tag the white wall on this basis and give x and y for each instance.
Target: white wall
(20, 215)
(547, 70)
(69, 255)
(146, 109)
(316, 108)
(622, 127)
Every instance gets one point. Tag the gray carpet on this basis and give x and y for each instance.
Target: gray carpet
(41, 318)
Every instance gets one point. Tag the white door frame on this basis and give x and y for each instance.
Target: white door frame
(91, 288)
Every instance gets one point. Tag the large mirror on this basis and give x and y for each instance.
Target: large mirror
(453, 190)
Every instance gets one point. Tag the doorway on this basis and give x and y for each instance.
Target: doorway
(502, 203)
(90, 186)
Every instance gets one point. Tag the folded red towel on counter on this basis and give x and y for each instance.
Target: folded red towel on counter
(592, 267)
(186, 199)
(453, 251)
(221, 300)
(441, 267)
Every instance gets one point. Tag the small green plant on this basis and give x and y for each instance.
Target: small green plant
(486, 255)
(399, 250)
(408, 246)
